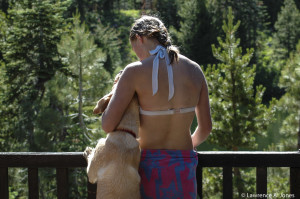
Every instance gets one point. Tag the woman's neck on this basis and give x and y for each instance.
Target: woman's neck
(149, 44)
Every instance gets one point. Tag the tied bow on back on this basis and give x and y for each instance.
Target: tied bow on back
(161, 52)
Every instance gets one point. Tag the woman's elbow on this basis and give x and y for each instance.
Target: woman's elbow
(208, 129)
(107, 126)
(106, 129)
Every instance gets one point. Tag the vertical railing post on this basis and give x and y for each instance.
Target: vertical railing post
(295, 181)
(62, 183)
(199, 177)
(33, 183)
(4, 182)
(92, 190)
(227, 183)
(261, 180)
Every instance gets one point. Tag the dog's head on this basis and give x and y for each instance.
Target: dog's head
(103, 102)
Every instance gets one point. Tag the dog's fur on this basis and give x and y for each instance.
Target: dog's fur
(113, 164)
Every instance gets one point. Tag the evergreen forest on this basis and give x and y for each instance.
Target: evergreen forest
(59, 57)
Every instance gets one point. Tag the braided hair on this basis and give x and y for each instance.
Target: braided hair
(152, 27)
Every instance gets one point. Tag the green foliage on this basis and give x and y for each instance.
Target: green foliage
(268, 69)
(287, 29)
(107, 39)
(213, 183)
(290, 102)
(253, 17)
(31, 59)
(79, 48)
(251, 13)
(237, 112)
(3, 26)
(39, 87)
(168, 12)
(111, 32)
(4, 5)
(85, 60)
(278, 180)
(272, 8)
(196, 32)
(121, 21)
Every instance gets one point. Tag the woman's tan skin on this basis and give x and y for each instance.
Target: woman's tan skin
(168, 131)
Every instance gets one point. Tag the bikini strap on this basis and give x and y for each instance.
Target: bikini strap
(161, 52)
(167, 112)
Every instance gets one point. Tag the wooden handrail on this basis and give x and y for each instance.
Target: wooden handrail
(42, 159)
(64, 160)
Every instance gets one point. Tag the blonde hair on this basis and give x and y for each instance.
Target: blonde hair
(152, 27)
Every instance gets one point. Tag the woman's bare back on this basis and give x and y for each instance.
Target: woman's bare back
(168, 131)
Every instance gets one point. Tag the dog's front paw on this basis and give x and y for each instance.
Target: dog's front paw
(87, 152)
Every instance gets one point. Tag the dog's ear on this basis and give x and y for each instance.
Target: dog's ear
(118, 77)
(103, 102)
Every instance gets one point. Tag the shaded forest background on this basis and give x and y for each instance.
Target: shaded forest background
(58, 57)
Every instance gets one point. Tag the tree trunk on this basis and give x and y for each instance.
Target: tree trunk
(298, 147)
(81, 122)
(238, 178)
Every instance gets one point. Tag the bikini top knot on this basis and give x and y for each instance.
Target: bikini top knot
(161, 53)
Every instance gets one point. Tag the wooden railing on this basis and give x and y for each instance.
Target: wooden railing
(226, 160)
(260, 160)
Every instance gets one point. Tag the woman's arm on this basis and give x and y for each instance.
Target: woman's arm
(203, 117)
(121, 98)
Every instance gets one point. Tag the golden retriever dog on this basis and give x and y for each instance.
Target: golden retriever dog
(113, 164)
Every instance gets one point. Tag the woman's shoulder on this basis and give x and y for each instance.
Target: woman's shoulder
(190, 63)
(133, 70)
(133, 65)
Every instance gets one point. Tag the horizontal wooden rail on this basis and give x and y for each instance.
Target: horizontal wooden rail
(227, 160)
(261, 160)
(34, 160)
(42, 159)
(249, 159)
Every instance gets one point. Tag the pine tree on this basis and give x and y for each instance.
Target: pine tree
(274, 49)
(239, 114)
(4, 5)
(30, 60)
(273, 8)
(108, 40)
(251, 13)
(4, 134)
(196, 32)
(80, 53)
(290, 102)
(168, 12)
(237, 110)
(287, 29)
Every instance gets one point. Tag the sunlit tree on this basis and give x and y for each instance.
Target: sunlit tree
(30, 59)
(287, 29)
(290, 102)
(237, 110)
(81, 53)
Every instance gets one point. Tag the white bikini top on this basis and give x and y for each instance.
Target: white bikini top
(161, 53)
(167, 112)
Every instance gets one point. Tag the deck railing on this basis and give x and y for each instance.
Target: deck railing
(227, 160)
